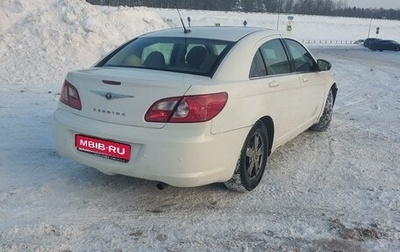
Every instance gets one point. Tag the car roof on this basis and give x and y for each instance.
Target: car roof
(227, 33)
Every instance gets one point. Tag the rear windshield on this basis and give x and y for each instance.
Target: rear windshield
(185, 55)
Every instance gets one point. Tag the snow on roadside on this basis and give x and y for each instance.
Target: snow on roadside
(304, 27)
(41, 40)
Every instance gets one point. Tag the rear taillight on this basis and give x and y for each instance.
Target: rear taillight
(187, 109)
(70, 96)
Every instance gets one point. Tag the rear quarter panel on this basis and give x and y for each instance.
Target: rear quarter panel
(246, 102)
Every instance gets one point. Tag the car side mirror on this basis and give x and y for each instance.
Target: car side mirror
(324, 65)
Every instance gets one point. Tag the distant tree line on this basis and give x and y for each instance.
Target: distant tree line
(307, 7)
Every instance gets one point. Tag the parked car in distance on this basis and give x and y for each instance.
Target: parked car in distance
(381, 45)
(359, 42)
(369, 41)
(193, 108)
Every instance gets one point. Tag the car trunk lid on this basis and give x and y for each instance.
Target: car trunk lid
(123, 95)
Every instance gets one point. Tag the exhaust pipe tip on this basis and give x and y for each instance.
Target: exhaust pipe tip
(161, 186)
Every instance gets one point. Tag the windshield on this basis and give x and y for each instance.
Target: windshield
(186, 55)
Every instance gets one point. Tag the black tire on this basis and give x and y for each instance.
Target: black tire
(252, 161)
(326, 118)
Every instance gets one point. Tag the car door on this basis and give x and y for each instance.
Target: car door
(282, 89)
(313, 83)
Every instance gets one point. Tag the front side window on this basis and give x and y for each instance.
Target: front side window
(302, 59)
(186, 55)
(270, 59)
(275, 57)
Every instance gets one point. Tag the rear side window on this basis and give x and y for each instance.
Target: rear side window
(302, 59)
(186, 55)
(258, 67)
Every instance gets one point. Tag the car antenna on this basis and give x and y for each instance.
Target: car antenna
(180, 17)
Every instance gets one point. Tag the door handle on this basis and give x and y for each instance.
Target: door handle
(273, 84)
(305, 79)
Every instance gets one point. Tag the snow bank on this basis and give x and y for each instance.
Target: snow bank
(40, 40)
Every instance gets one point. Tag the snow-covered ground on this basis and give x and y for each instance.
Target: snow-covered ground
(332, 191)
(308, 28)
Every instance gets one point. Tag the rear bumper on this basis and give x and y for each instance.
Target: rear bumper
(179, 154)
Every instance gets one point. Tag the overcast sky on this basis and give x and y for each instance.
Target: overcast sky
(387, 4)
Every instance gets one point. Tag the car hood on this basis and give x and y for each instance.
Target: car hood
(123, 95)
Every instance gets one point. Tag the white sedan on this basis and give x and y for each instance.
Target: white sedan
(193, 108)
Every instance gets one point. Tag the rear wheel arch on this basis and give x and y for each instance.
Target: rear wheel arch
(269, 125)
(252, 160)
